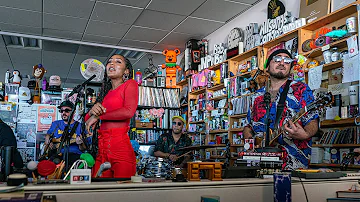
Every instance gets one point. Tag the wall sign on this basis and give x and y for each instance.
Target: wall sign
(273, 28)
(252, 36)
(275, 9)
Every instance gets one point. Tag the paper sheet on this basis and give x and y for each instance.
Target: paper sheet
(350, 69)
(27, 113)
(315, 77)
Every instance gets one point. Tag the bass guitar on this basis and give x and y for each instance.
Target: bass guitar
(323, 100)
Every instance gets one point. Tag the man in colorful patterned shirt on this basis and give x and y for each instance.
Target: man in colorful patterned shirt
(296, 144)
(167, 146)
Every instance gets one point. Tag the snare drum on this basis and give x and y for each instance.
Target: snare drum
(157, 167)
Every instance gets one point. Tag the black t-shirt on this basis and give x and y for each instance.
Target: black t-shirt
(7, 138)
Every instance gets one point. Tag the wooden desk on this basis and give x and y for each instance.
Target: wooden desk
(213, 167)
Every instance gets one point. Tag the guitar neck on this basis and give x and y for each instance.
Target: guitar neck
(294, 119)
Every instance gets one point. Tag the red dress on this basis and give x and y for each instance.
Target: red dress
(114, 142)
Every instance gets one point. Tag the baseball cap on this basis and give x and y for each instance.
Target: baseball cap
(267, 63)
(66, 103)
(24, 94)
(179, 117)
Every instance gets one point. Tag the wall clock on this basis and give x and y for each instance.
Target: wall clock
(235, 36)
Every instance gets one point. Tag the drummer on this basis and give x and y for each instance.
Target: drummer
(167, 146)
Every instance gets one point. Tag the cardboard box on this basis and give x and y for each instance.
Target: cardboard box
(314, 9)
(139, 124)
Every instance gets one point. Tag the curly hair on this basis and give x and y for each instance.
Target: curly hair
(106, 83)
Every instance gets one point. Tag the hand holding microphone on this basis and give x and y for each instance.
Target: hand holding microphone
(103, 167)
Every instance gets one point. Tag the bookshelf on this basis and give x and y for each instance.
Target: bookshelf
(155, 109)
(341, 122)
(340, 44)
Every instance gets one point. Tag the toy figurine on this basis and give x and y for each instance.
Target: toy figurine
(38, 73)
(16, 78)
(171, 66)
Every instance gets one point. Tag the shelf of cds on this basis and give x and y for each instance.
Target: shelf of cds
(155, 109)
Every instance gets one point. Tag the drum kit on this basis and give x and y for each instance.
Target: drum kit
(156, 167)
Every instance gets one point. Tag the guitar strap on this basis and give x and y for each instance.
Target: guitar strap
(281, 104)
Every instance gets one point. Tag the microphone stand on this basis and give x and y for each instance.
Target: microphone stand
(65, 140)
(267, 101)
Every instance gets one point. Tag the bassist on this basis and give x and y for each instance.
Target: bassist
(54, 137)
(296, 143)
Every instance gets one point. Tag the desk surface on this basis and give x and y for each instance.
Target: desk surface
(171, 185)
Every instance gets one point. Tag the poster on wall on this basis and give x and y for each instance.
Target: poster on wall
(26, 134)
(313, 9)
(46, 115)
(8, 114)
(27, 154)
(27, 113)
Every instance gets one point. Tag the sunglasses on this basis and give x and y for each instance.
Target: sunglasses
(278, 59)
(65, 110)
(178, 123)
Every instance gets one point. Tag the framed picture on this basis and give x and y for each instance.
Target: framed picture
(337, 4)
(314, 9)
(196, 56)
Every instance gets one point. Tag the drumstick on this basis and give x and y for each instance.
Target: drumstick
(184, 154)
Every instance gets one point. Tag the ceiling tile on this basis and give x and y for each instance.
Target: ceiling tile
(137, 3)
(161, 47)
(198, 27)
(151, 19)
(25, 56)
(136, 44)
(20, 29)
(94, 51)
(4, 57)
(24, 68)
(62, 34)
(219, 10)
(183, 7)
(101, 39)
(145, 34)
(178, 39)
(115, 13)
(110, 29)
(64, 23)
(20, 17)
(57, 59)
(2, 43)
(53, 46)
(4, 66)
(34, 5)
(247, 1)
(78, 8)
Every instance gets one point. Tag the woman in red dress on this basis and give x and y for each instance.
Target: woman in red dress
(114, 108)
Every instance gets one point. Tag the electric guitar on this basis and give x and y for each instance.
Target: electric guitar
(319, 104)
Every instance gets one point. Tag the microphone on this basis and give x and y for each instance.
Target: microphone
(32, 165)
(88, 158)
(103, 167)
(78, 88)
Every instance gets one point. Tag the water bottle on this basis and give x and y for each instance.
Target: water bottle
(7, 76)
(138, 77)
(44, 84)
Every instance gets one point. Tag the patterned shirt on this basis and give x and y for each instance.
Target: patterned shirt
(166, 144)
(297, 152)
(57, 129)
